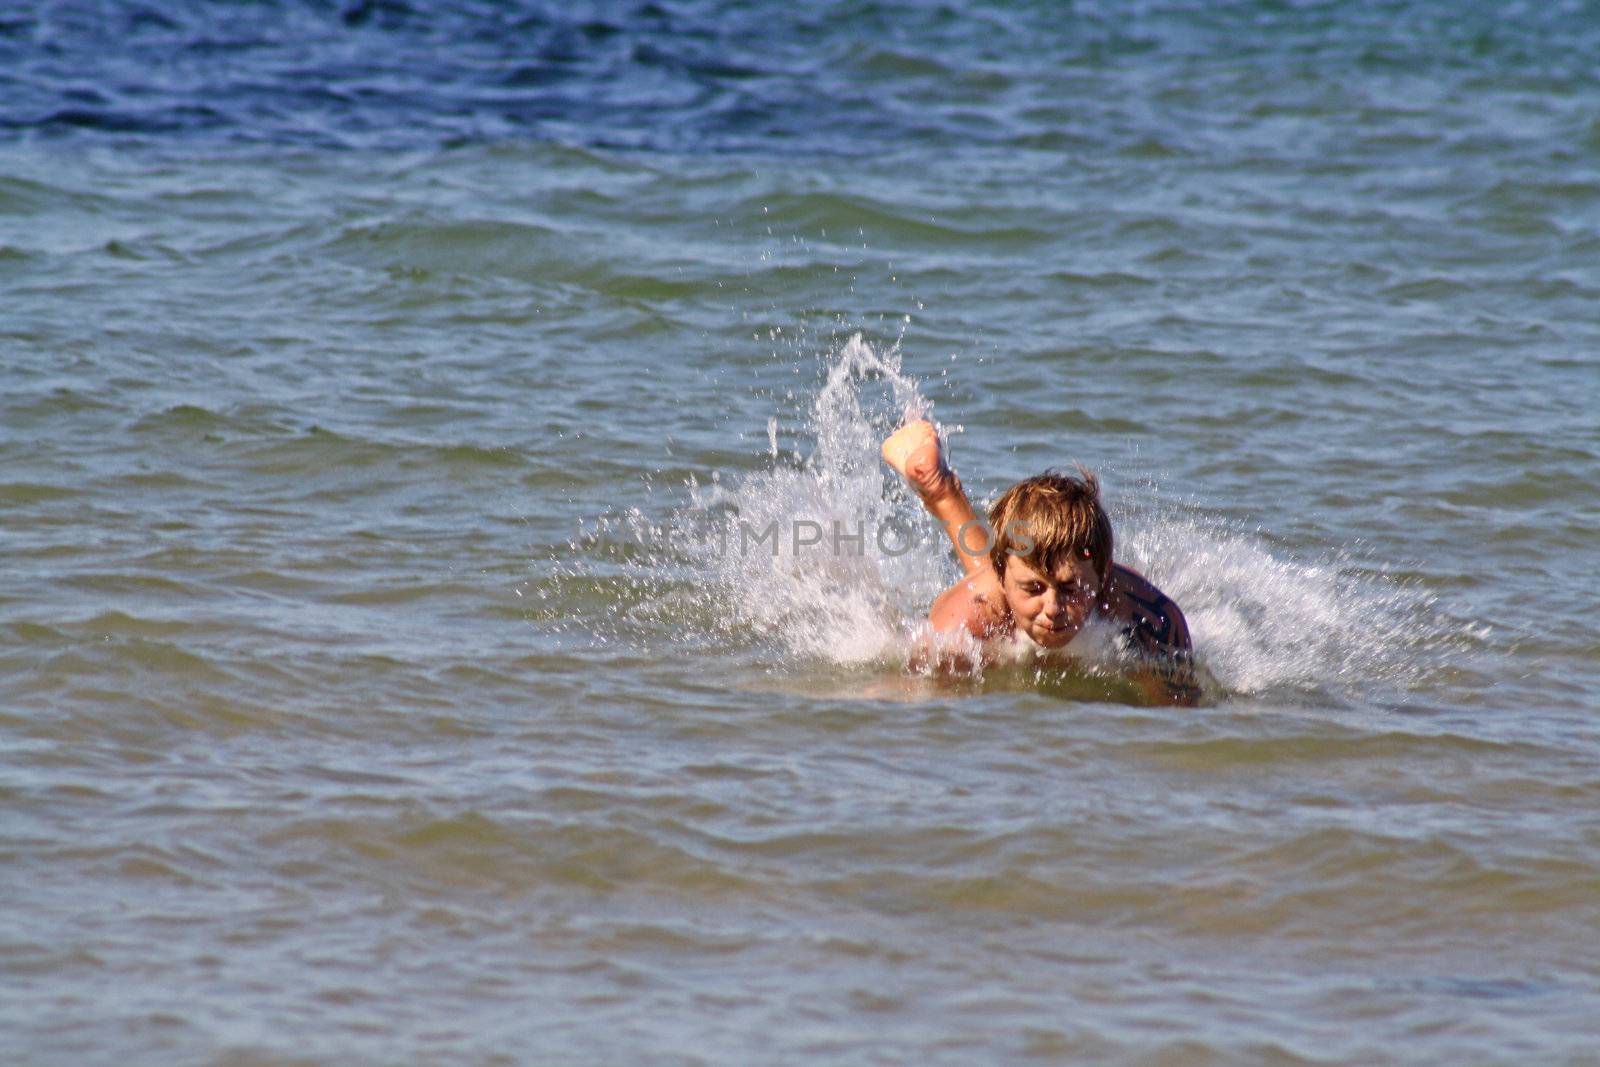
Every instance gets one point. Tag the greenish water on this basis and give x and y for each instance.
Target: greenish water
(351, 713)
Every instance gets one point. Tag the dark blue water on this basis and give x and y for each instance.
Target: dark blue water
(851, 78)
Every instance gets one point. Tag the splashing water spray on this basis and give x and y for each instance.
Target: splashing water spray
(829, 557)
(830, 561)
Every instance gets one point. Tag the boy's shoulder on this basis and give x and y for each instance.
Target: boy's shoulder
(1154, 625)
(1151, 619)
(976, 604)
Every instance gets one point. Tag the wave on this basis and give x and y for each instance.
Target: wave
(821, 560)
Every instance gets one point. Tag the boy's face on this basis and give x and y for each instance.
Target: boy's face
(1052, 608)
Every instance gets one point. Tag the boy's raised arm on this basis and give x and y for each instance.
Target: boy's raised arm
(914, 451)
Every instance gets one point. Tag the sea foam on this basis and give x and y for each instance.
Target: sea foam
(1260, 621)
(824, 559)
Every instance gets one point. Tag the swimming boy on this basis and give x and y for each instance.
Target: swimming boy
(1041, 566)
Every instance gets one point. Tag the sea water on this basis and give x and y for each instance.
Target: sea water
(375, 378)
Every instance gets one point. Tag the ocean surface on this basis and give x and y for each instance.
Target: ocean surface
(379, 384)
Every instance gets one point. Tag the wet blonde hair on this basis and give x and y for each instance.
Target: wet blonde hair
(1060, 514)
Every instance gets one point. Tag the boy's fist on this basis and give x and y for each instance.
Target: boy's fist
(913, 450)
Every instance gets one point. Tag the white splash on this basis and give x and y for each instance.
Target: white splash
(1259, 621)
(1263, 622)
(842, 575)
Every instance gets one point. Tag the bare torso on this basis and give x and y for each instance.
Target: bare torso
(1147, 618)
(1143, 613)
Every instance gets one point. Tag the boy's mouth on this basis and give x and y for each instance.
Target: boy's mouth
(1047, 630)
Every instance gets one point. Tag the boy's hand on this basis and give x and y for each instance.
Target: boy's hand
(913, 450)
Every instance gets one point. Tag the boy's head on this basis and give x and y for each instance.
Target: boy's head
(1050, 544)
(1050, 518)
